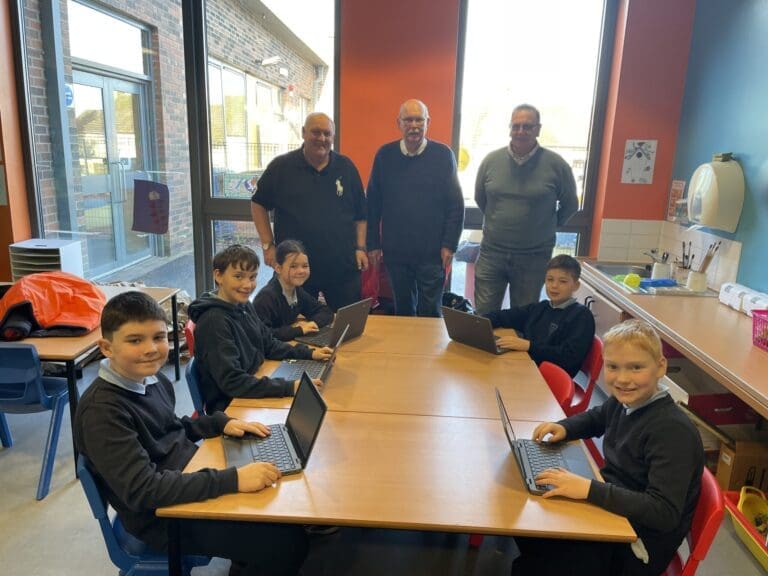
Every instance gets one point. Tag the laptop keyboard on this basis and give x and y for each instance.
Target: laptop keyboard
(321, 338)
(292, 369)
(273, 448)
(541, 456)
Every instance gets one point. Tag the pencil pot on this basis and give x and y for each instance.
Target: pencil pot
(760, 328)
(697, 281)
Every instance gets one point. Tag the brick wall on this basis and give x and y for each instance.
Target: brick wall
(235, 37)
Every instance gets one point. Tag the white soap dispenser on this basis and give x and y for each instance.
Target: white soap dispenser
(716, 193)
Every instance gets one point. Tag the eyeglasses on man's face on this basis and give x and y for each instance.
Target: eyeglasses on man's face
(523, 127)
(415, 120)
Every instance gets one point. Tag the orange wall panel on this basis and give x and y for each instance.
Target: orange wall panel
(653, 39)
(391, 51)
(14, 218)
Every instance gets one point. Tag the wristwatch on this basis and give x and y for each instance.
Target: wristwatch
(266, 245)
(361, 249)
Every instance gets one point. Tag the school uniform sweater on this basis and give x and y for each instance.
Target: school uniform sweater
(137, 448)
(654, 460)
(562, 336)
(230, 345)
(273, 309)
(418, 203)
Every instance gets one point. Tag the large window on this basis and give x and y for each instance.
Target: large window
(544, 53)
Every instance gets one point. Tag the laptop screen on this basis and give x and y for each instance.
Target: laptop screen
(505, 419)
(305, 417)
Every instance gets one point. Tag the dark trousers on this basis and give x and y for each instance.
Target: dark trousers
(416, 288)
(549, 557)
(339, 292)
(263, 549)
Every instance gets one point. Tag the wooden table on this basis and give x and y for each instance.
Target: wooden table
(448, 385)
(74, 350)
(405, 472)
(422, 336)
(412, 440)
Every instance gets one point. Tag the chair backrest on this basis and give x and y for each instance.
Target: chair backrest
(587, 376)
(559, 382)
(98, 504)
(21, 383)
(189, 336)
(709, 513)
(193, 381)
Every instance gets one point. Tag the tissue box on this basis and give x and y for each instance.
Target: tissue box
(732, 294)
(756, 301)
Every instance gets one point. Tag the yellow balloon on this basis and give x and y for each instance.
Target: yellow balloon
(463, 159)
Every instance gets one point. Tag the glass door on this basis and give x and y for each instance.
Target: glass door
(111, 153)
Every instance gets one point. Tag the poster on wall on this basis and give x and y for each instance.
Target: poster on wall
(639, 160)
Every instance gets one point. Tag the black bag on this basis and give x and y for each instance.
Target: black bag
(457, 302)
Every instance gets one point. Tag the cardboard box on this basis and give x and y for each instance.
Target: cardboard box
(743, 464)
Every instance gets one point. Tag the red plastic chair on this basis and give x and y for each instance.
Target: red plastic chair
(594, 451)
(559, 382)
(706, 522)
(584, 381)
(189, 335)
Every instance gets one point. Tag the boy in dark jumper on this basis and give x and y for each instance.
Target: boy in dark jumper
(654, 460)
(137, 447)
(231, 342)
(281, 301)
(558, 330)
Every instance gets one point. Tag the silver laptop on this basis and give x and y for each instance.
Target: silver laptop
(534, 457)
(355, 315)
(292, 369)
(290, 444)
(471, 330)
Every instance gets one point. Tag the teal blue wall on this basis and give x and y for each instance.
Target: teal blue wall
(725, 109)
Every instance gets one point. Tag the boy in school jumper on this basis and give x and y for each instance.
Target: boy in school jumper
(558, 330)
(137, 447)
(231, 342)
(654, 460)
(281, 301)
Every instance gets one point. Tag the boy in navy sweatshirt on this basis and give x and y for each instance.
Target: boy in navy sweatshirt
(558, 330)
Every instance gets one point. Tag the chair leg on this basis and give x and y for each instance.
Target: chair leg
(5, 432)
(49, 455)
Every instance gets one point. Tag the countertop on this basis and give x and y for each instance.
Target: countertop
(713, 336)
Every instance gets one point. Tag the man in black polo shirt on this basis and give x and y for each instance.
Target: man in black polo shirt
(318, 198)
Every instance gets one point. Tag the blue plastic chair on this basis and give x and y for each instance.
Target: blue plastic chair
(23, 390)
(131, 556)
(193, 381)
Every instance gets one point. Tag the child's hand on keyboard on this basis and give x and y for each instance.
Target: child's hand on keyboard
(556, 431)
(307, 327)
(253, 477)
(564, 483)
(316, 381)
(238, 428)
(322, 353)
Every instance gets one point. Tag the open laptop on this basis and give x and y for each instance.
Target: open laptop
(471, 330)
(355, 315)
(292, 369)
(290, 444)
(534, 457)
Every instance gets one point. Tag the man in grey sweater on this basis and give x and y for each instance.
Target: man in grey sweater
(525, 192)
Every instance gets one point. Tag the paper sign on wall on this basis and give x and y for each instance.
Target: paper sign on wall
(639, 160)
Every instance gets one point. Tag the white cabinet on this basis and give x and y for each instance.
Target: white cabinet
(38, 255)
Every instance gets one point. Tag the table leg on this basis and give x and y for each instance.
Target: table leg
(73, 398)
(174, 548)
(175, 318)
